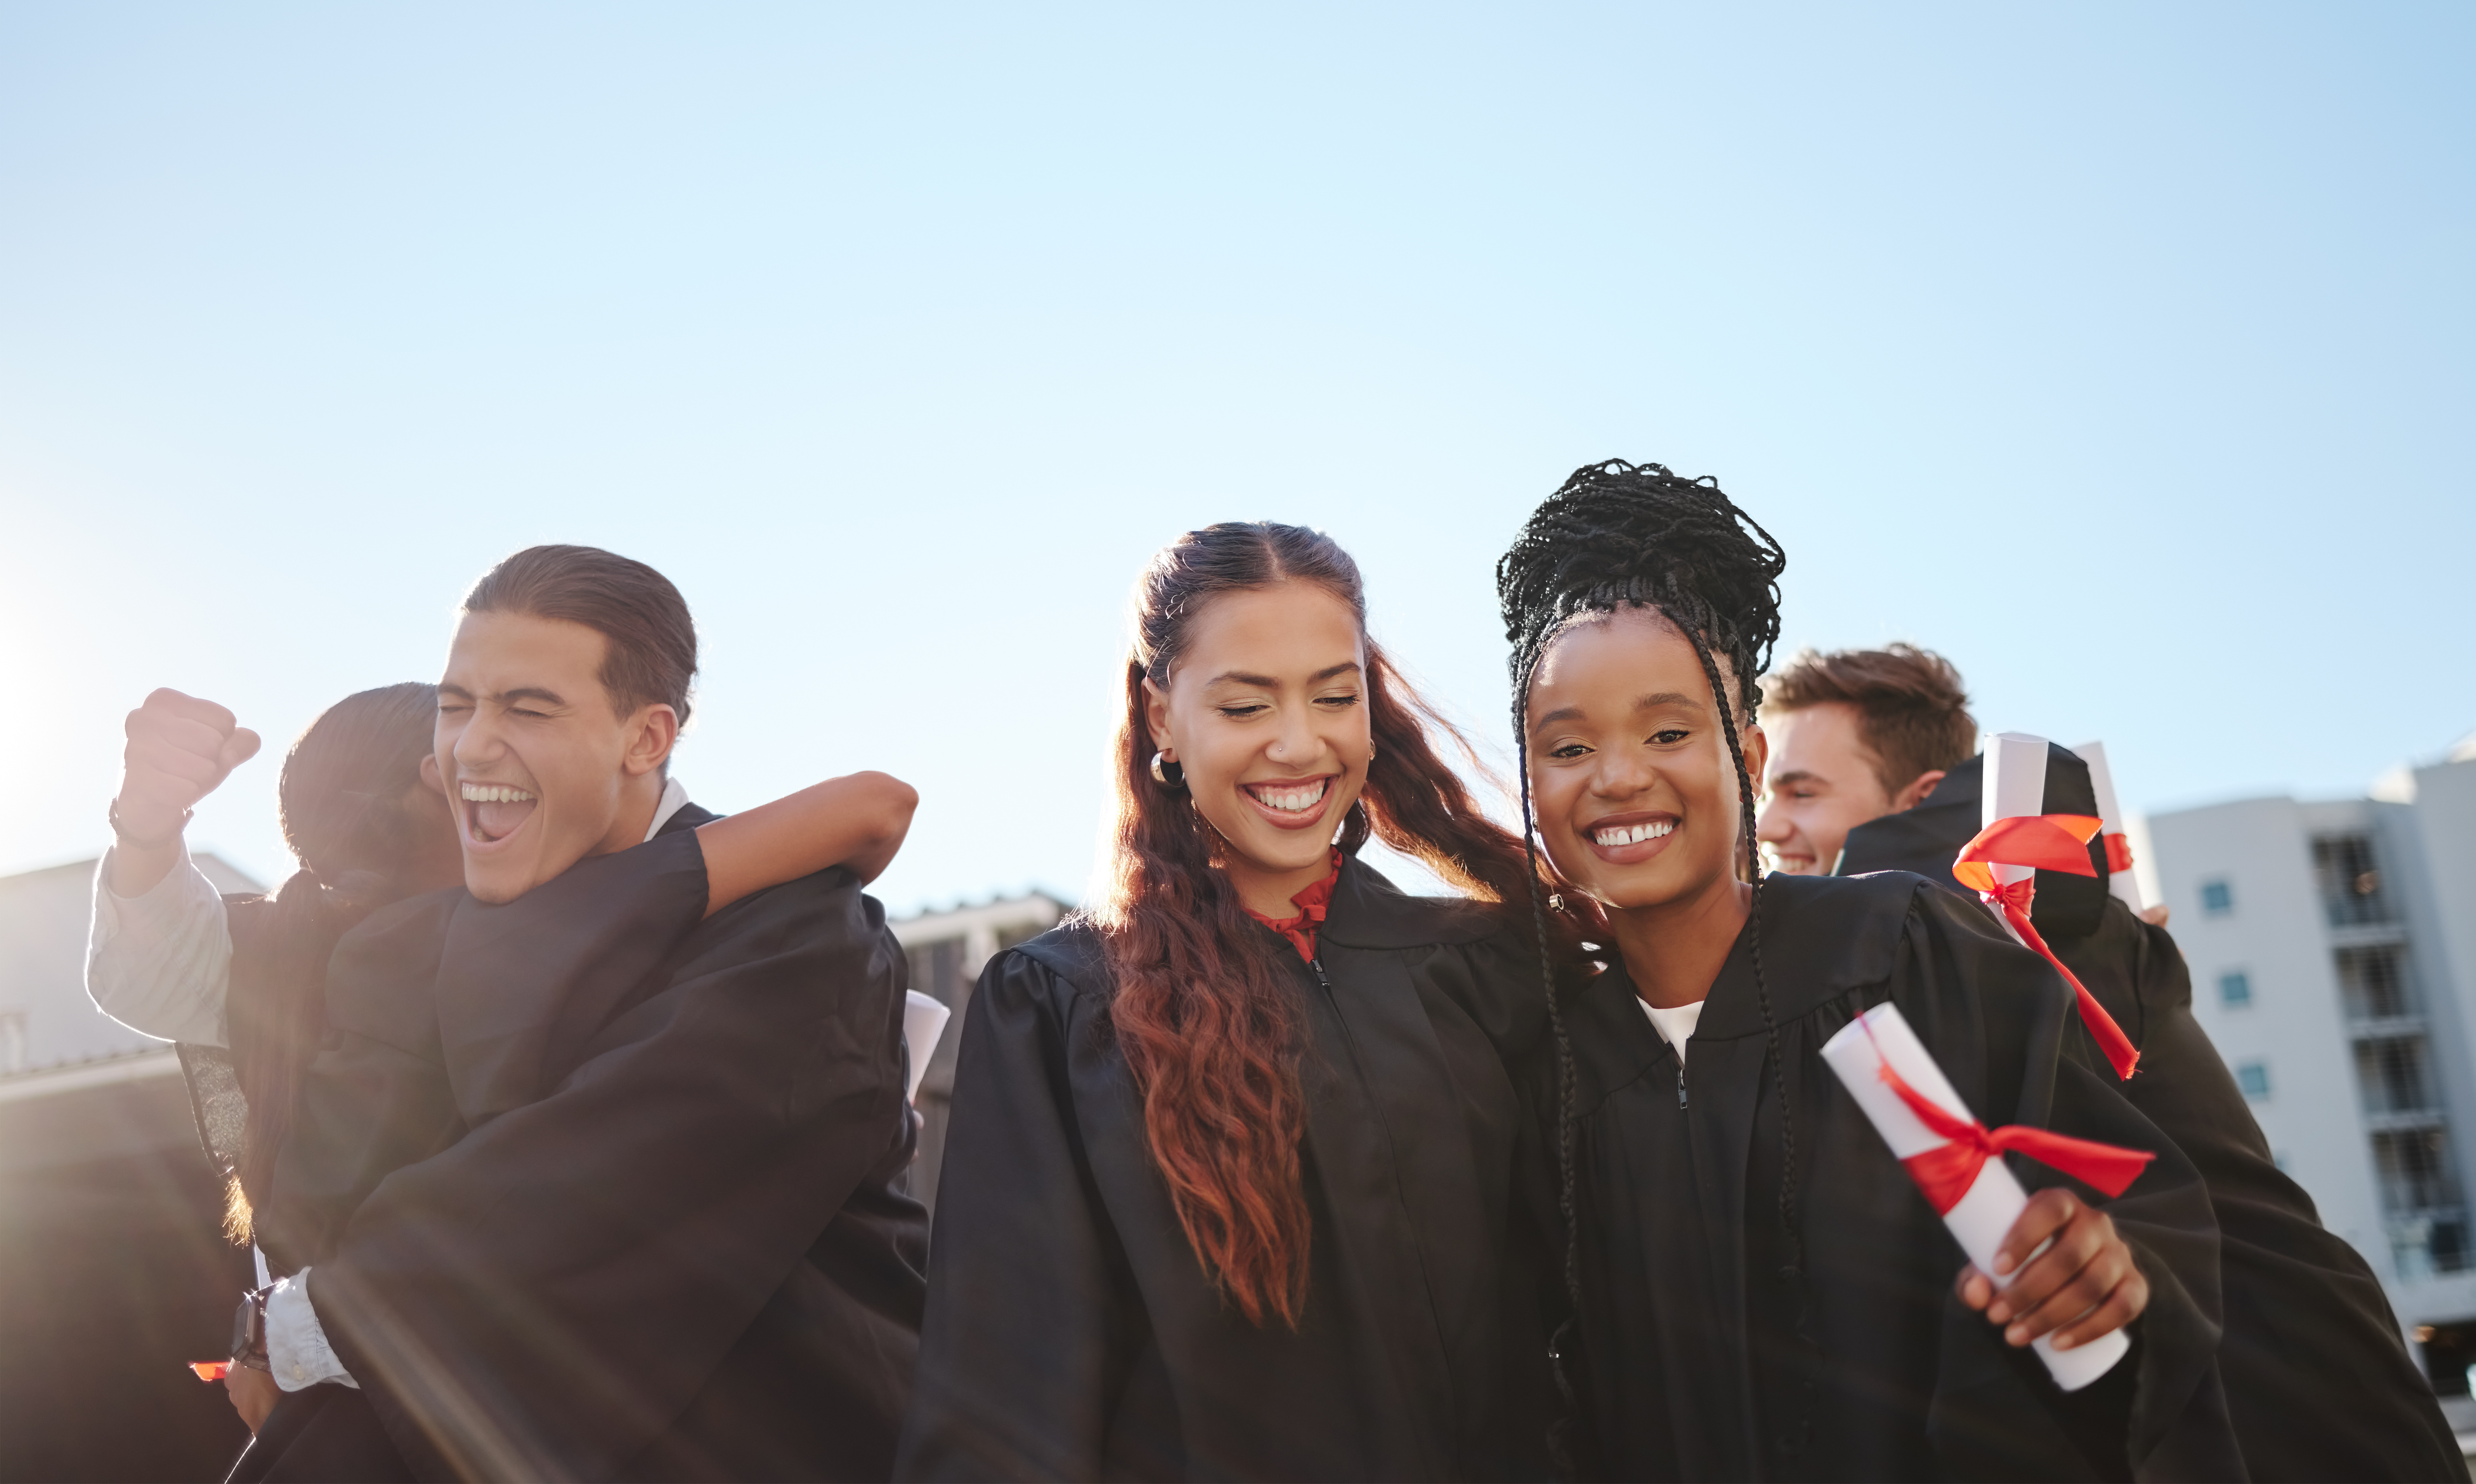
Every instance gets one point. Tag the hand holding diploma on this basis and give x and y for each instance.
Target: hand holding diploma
(2083, 1285)
(2051, 1270)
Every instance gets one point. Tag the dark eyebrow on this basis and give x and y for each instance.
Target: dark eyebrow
(1566, 713)
(445, 688)
(1267, 683)
(1798, 775)
(542, 694)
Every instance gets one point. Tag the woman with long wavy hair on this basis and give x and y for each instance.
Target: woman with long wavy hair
(1236, 1184)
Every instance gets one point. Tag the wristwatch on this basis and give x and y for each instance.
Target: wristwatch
(249, 1330)
(118, 833)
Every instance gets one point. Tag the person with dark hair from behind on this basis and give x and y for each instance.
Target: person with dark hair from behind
(1761, 1289)
(1871, 766)
(1237, 1186)
(240, 985)
(597, 1171)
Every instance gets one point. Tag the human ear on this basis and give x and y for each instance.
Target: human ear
(429, 778)
(1758, 757)
(1918, 790)
(656, 729)
(1157, 716)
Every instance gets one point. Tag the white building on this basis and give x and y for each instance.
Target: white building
(2333, 950)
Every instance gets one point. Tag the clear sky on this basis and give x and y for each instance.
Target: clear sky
(2120, 352)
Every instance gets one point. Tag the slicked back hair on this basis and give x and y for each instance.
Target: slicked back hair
(1912, 710)
(651, 654)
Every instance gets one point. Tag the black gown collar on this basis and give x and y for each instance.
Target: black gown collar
(1823, 936)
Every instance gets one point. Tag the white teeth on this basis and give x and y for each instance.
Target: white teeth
(1633, 834)
(494, 793)
(1291, 801)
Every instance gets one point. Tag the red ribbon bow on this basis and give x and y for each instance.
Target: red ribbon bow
(1945, 1173)
(2051, 842)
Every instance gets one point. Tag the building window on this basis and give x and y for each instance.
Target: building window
(2349, 879)
(2218, 898)
(2235, 990)
(2373, 984)
(2413, 1166)
(2253, 1077)
(2391, 1075)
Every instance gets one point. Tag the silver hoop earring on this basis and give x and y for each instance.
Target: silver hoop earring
(1168, 773)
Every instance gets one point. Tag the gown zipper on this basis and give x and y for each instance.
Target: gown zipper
(1680, 1081)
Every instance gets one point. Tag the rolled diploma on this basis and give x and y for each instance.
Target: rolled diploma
(2015, 784)
(1983, 1217)
(2123, 885)
(924, 1021)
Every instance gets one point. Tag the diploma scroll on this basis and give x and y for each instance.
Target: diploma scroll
(924, 1021)
(2120, 883)
(1979, 1216)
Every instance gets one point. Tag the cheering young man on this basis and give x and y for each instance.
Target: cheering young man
(597, 1173)
(1871, 770)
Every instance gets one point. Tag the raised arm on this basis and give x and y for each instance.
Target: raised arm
(856, 821)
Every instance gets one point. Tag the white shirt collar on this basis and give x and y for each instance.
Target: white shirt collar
(675, 798)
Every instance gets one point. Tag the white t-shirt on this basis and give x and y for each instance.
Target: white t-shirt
(1675, 1026)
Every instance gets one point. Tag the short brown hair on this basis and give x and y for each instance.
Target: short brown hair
(652, 643)
(1912, 713)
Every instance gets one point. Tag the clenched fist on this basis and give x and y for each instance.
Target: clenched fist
(180, 748)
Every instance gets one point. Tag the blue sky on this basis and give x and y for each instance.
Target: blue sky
(2121, 353)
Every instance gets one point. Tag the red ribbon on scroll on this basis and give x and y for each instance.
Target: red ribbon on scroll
(211, 1370)
(1945, 1173)
(2049, 842)
(2118, 854)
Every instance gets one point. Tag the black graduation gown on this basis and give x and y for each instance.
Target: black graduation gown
(2318, 1379)
(1071, 1331)
(1690, 1359)
(592, 1189)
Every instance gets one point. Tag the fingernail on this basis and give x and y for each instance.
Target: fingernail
(1998, 1311)
(2017, 1334)
(2002, 1263)
(2063, 1344)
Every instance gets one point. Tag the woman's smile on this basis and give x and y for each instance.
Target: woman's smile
(1291, 804)
(1631, 838)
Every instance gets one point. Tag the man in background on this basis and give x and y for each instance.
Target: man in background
(1873, 767)
(1856, 735)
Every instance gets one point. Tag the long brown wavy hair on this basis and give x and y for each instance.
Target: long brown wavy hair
(1203, 1011)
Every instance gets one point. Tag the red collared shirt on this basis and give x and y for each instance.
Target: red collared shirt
(1312, 904)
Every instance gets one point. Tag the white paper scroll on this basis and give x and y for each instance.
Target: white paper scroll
(2015, 784)
(2123, 885)
(924, 1021)
(1983, 1217)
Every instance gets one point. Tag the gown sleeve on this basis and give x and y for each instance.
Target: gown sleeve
(1021, 1262)
(543, 1298)
(1995, 1014)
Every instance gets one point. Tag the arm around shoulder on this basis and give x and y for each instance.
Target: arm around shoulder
(858, 822)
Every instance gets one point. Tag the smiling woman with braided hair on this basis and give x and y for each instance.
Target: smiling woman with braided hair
(1761, 1291)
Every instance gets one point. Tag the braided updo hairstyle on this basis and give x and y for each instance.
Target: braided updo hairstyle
(1622, 535)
